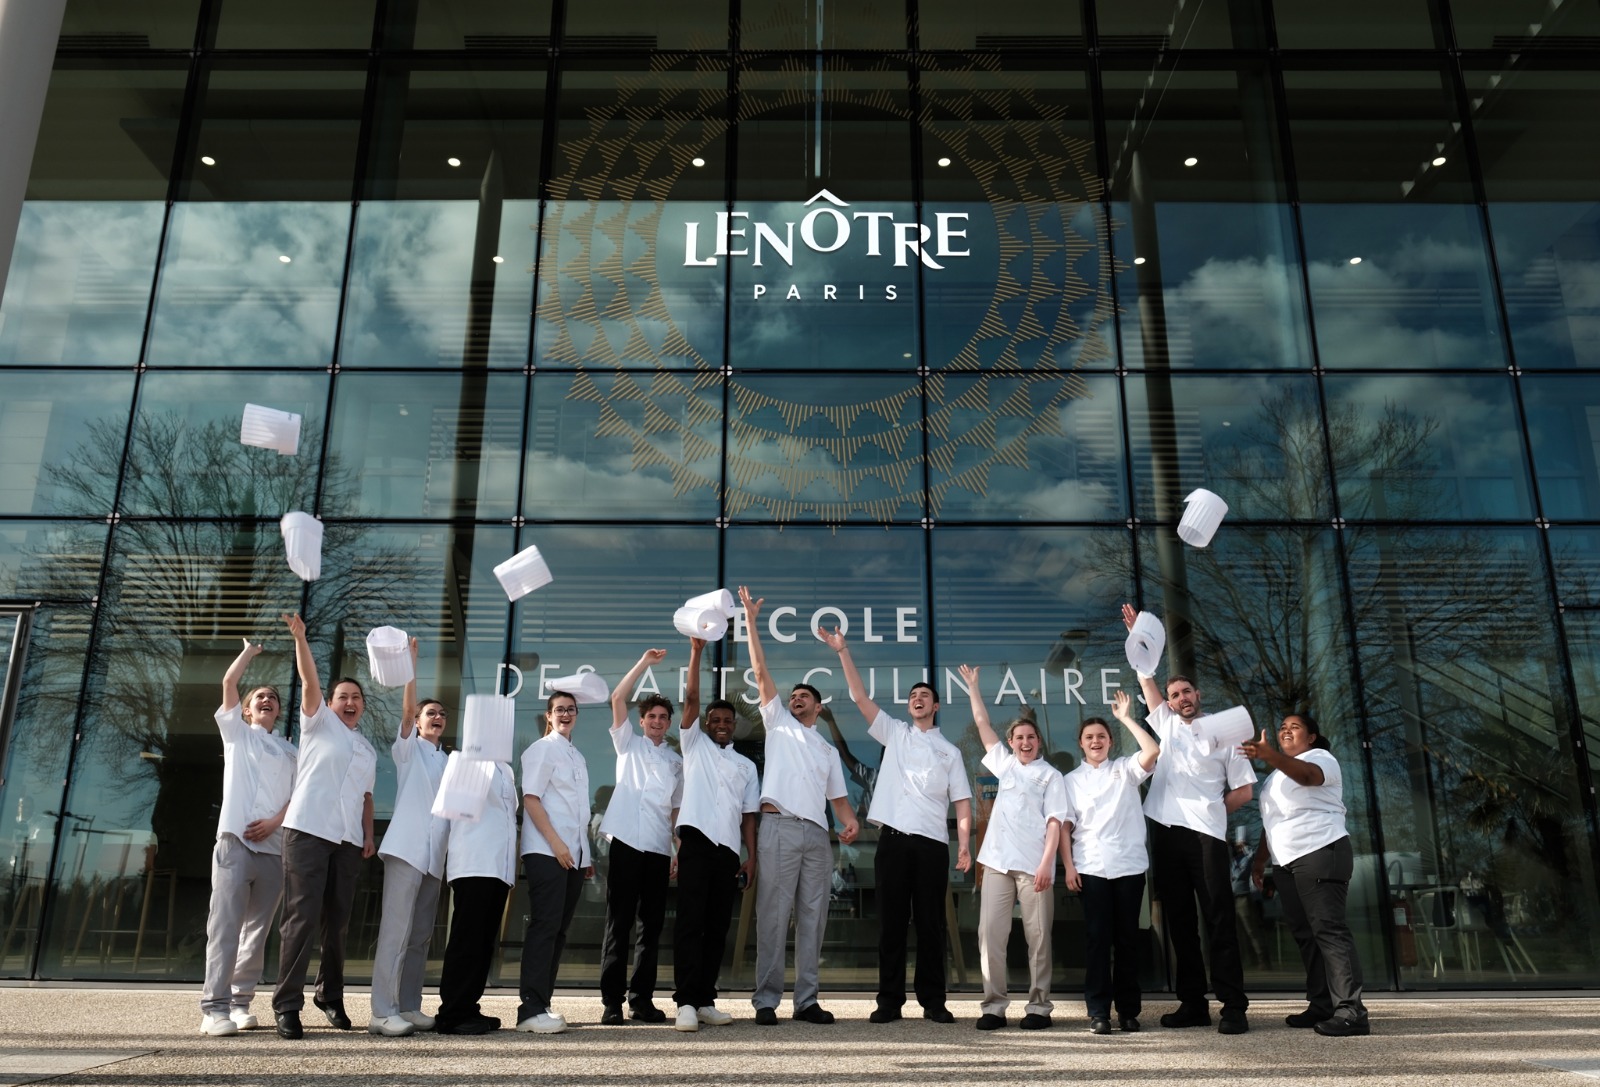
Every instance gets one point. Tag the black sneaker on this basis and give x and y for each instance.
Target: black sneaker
(1304, 1020)
(884, 1015)
(477, 1024)
(814, 1013)
(1099, 1025)
(938, 1015)
(1035, 1021)
(1232, 1021)
(1129, 1024)
(334, 1010)
(1187, 1015)
(647, 1013)
(766, 1017)
(1340, 1027)
(990, 1021)
(612, 1016)
(289, 1025)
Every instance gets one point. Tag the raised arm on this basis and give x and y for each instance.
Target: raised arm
(235, 672)
(408, 709)
(691, 687)
(622, 693)
(758, 656)
(980, 712)
(852, 677)
(1152, 690)
(1149, 750)
(1298, 771)
(310, 685)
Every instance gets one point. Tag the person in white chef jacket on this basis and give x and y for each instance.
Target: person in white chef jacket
(247, 861)
(413, 852)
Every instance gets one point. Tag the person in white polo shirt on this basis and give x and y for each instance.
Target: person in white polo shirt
(721, 796)
(1017, 862)
(1103, 858)
(481, 864)
(638, 825)
(1302, 820)
(921, 776)
(803, 778)
(413, 852)
(328, 834)
(1192, 792)
(247, 861)
(556, 857)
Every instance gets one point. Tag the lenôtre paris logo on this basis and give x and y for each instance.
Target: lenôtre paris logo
(827, 229)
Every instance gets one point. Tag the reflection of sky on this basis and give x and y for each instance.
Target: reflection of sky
(227, 298)
(1549, 259)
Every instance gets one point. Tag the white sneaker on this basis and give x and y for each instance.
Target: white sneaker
(543, 1023)
(243, 1019)
(558, 1017)
(715, 1018)
(418, 1020)
(687, 1019)
(391, 1026)
(218, 1026)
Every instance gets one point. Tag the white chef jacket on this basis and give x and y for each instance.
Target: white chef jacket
(719, 787)
(1108, 835)
(1300, 819)
(1186, 789)
(555, 771)
(921, 776)
(336, 772)
(487, 846)
(1030, 795)
(415, 834)
(257, 778)
(649, 788)
(803, 770)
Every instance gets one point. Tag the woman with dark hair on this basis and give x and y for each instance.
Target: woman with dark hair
(413, 853)
(556, 857)
(1302, 819)
(1103, 854)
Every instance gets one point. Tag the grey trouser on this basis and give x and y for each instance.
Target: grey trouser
(796, 873)
(410, 906)
(319, 887)
(998, 891)
(245, 888)
(1313, 890)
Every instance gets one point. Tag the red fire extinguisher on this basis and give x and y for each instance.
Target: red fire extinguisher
(1405, 938)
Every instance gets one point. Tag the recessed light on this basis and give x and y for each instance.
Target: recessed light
(698, 161)
(1440, 161)
(453, 161)
(1138, 260)
(944, 162)
(907, 355)
(1191, 161)
(283, 258)
(499, 260)
(208, 160)
(1355, 260)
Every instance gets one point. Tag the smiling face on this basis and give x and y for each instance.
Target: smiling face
(923, 703)
(1024, 741)
(261, 707)
(561, 714)
(431, 721)
(804, 705)
(348, 702)
(719, 725)
(655, 719)
(1294, 738)
(1095, 739)
(1184, 698)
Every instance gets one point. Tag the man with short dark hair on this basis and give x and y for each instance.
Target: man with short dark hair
(922, 774)
(803, 777)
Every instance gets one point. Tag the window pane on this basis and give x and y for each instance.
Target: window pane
(51, 560)
(835, 449)
(1576, 553)
(295, 24)
(1417, 448)
(1355, 24)
(1164, 25)
(1476, 773)
(1583, 649)
(958, 24)
(424, 445)
(1564, 428)
(1018, 448)
(646, 24)
(1255, 441)
(468, 24)
(1523, 24)
(608, 446)
(117, 24)
(187, 460)
(1209, 275)
(822, 24)
(61, 442)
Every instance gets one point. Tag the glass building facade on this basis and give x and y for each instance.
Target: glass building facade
(919, 317)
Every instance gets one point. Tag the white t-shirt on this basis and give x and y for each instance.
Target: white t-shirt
(1108, 837)
(649, 788)
(1030, 795)
(555, 771)
(803, 770)
(415, 834)
(921, 776)
(336, 772)
(257, 778)
(1189, 780)
(487, 846)
(1299, 819)
(719, 787)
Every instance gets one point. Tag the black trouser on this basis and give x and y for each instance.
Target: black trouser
(913, 874)
(706, 890)
(1313, 889)
(319, 885)
(477, 903)
(1111, 924)
(636, 888)
(1187, 865)
(552, 899)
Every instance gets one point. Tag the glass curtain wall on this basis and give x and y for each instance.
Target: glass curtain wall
(920, 319)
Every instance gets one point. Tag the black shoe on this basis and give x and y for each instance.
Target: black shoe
(990, 1021)
(767, 1017)
(1035, 1021)
(1099, 1025)
(337, 1019)
(289, 1025)
(646, 1013)
(1340, 1027)
(814, 1013)
(1232, 1021)
(612, 1016)
(884, 1015)
(1188, 1015)
(1304, 1020)
(477, 1024)
(1129, 1024)
(940, 1014)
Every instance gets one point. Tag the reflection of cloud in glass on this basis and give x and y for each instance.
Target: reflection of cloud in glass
(1550, 267)
(1228, 312)
(226, 298)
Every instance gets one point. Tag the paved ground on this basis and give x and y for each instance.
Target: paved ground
(146, 1037)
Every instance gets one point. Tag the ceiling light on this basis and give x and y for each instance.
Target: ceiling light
(499, 260)
(1355, 260)
(944, 162)
(283, 258)
(907, 355)
(208, 160)
(1440, 161)
(1138, 260)
(1191, 161)
(453, 161)
(698, 161)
